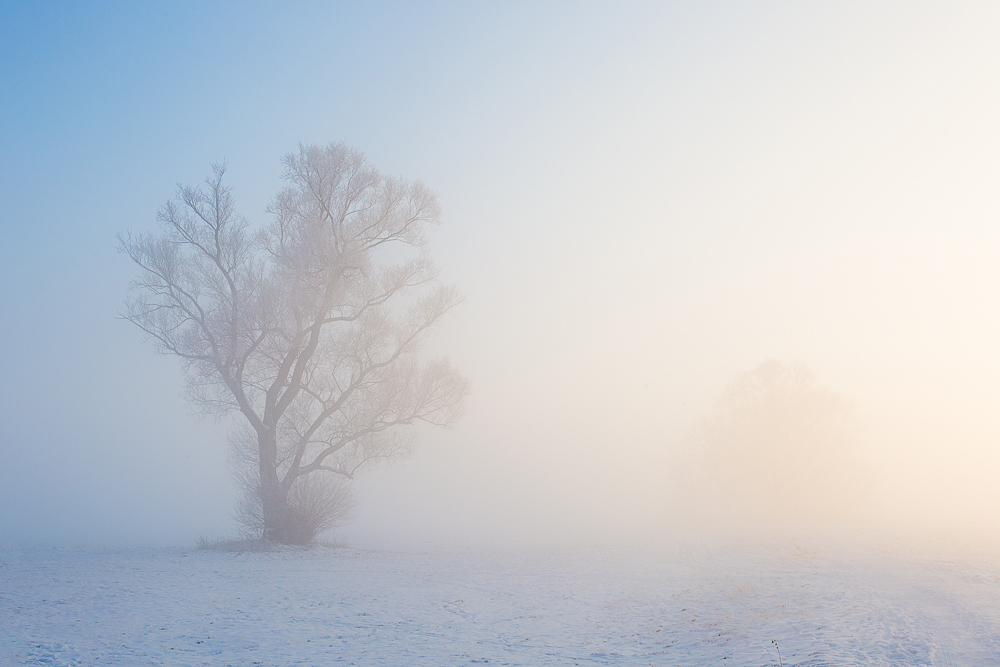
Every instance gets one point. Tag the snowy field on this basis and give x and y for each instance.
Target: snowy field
(690, 605)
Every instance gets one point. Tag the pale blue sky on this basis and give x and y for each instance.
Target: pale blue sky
(641, 199)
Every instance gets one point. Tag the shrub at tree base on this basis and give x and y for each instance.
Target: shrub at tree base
(314, 505)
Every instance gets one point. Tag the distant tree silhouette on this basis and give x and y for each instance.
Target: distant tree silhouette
(778, 445)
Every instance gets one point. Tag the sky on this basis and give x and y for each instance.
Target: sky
(641, 201)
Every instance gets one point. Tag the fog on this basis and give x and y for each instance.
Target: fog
(641, 203)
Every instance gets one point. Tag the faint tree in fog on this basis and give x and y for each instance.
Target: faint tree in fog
(309, 328)
(778, 445)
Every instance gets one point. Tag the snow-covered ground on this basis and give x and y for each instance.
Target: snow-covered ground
(683, 605)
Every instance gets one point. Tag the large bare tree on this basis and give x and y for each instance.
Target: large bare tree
(309, 328)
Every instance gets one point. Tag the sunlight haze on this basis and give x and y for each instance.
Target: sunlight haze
(641, 202)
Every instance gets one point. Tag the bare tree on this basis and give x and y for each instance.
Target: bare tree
(309, 328)
(777, 445)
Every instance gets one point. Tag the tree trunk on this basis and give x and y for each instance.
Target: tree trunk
(274, 500)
